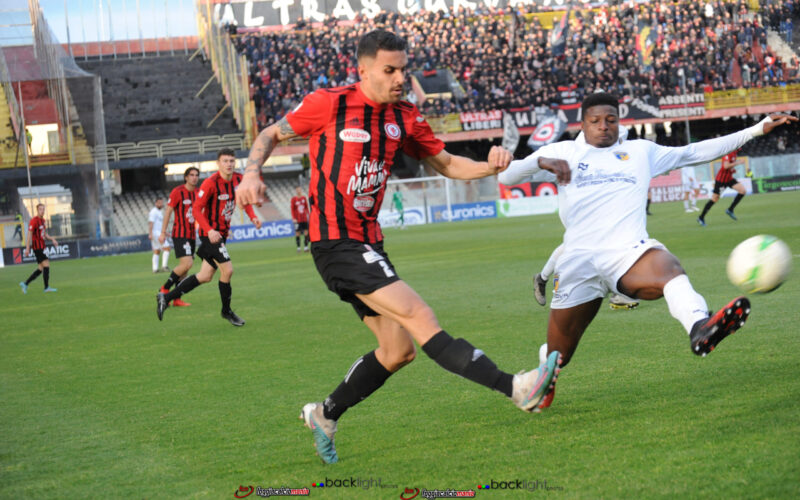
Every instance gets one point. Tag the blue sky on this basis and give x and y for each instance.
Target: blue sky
(83, 19)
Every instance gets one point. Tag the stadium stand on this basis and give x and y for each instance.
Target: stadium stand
(501, 64)
(154, 98)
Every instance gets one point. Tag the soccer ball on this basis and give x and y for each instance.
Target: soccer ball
(759, 264)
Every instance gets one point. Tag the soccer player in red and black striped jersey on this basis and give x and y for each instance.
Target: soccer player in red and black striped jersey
(183, 233)
(37, 233)
(355, 132)
(213, 209)
(300, 217)
(724, 179)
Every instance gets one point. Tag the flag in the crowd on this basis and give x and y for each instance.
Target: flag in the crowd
(510, 133)
(558, 35)
(645, 41)
(548, 130)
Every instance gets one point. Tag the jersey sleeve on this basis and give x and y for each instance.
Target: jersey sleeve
(312, 115)
(32, 224)
(664, 159)
(174, 199)
(519, 170)
(207, 190)
(421, 142)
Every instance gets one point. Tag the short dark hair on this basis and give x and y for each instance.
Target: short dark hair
(188, 170)
(375, 40)
(225, 152)
(599, 99)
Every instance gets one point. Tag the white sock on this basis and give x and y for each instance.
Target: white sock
(543, 354)
(550, 266)
(686, 204)
(164, 258)
(685, 305)
(155, 262)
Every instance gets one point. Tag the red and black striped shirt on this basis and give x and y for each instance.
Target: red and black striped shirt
(726, 174)
(37, 227)
(352, 148)
(181, 200)
(299, 209)
(216, 200)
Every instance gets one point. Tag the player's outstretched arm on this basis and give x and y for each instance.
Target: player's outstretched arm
(461, 167)
(251, 190)
(667, 158)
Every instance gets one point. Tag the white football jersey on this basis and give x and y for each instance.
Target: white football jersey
(603, 206)
(157, 218)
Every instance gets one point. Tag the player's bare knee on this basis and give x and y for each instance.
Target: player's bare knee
(400, 357)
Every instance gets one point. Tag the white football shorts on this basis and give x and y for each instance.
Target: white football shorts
(582, 275)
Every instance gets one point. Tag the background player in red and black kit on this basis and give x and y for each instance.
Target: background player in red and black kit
(355, 132)
(213, 208)
(300, 218)
(724, 179)
(37, 233)
(183, 233)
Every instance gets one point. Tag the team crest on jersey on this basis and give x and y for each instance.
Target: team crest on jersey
(223, 197)
(392, 130)
(363, 203)
(354, 135)
(621, 155)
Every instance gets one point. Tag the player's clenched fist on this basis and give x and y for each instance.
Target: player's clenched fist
(499, 158)
(250, 191)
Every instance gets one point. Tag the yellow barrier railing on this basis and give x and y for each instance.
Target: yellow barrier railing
(740, 98)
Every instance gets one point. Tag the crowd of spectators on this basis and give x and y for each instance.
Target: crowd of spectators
(504, 59)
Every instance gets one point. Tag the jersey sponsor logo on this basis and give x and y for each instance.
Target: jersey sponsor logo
(363, 203)
(354, 135)
(621, 155)
(223, 197)
(583, 166)
(190, 215)
(392, 130)
(369, 176)
(201, 193)
(227, 212)
(187, 202)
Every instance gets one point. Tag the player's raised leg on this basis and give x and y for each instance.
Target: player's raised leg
(402, 304)
(658, 273)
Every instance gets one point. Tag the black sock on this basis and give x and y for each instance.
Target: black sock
(460, 357)
(306, 240)
(46, 276)
(706, 208)
(173, 278)
(647, 208)
(736, 201)
(225, 295)
(183, 287)
(364, 377)
(297, 240)
(33, 276)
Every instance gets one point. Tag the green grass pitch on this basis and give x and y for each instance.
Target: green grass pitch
(100, 399)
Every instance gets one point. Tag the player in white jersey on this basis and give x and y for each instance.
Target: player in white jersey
(155, 219)
(606, 246)
(691, 189)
